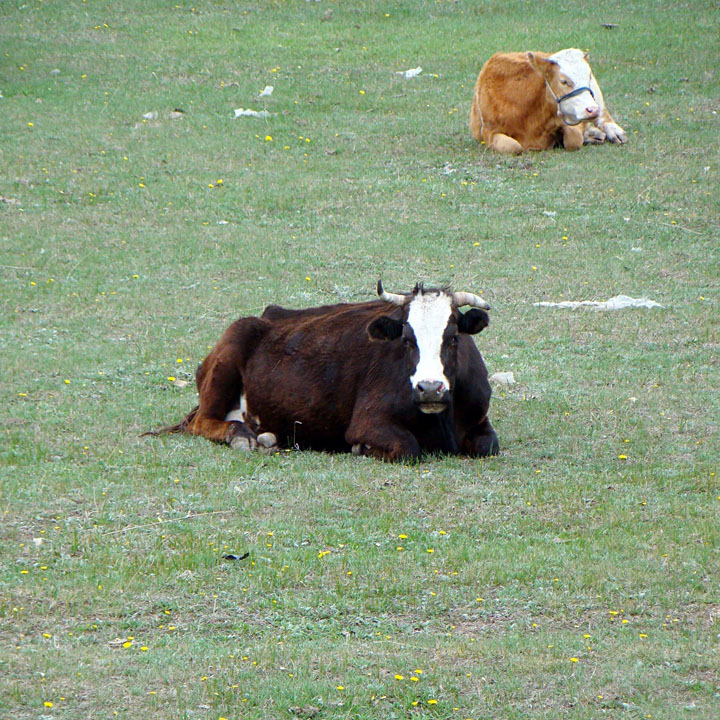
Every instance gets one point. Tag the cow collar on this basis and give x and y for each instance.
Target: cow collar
(567, 96)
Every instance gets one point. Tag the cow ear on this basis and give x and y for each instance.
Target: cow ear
(473, 321)
(385, 328)
(541, 64)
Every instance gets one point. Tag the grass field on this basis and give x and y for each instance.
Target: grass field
(574, 576)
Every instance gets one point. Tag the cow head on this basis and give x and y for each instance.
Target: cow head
(567, 75)
(428, 327)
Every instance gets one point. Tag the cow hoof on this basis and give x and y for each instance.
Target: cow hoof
(240, 442)
(267, 439)
(614, 133)
(594, 135)
(360, 449)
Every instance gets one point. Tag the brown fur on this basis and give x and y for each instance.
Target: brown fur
(317, 379)
(513, 111)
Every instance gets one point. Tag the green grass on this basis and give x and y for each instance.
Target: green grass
(117, 260)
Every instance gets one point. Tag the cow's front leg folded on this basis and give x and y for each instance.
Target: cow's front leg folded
(385, 442)
(481, 440)
(614, 133)
(573, 138)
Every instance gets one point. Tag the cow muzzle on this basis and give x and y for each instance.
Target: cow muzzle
(431, 396)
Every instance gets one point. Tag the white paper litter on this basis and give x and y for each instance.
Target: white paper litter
(241, 112)
(503, 378)
(619, 302)
(151, 115)
(267, 91)
(411, 73)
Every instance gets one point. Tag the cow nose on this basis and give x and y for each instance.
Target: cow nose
(430, 390)
(592, 111)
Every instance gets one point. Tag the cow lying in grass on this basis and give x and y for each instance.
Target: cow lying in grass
(535, 101)
(392, 378)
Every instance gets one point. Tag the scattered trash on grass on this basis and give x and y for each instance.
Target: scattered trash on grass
(503, 378)
(230, 556)
(619, 302)
(153, 115)
(411, 73)
(267, 91)
(242, 112)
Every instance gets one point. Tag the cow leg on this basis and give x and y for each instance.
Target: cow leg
(573, 138)
(386, 442)
(504, 144)
(592, 134)
(604, 121)
(220, 386)
(481, 440)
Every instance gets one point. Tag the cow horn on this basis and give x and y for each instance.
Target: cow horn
(465, 298)
(394, 298)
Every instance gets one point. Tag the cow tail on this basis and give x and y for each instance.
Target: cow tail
(180, 427)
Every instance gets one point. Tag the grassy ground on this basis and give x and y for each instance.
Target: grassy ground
(574, 576)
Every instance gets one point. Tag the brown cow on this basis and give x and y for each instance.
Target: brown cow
(391, 378)
(535, 101)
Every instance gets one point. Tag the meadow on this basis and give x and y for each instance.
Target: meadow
(574, 576)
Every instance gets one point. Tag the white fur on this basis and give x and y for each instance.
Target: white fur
(239, 413)
(428, 317)
(575, 67)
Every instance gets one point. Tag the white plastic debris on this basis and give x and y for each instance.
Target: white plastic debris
(619, 302)
(411, 73)
(153, 115)
(549, 213)
(267, 91)
(503, 378)
(242, 112)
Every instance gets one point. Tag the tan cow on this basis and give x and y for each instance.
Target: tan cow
(535, 101)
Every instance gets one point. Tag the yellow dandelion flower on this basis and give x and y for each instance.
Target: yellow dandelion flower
(399, 677)
(574, 660)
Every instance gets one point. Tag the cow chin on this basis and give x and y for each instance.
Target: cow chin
(432, 408)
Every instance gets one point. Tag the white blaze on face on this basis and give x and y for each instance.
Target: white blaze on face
(573, 65)
(428, 317)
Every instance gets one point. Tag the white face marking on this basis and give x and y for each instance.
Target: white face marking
(428, 317)
(575, 67)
